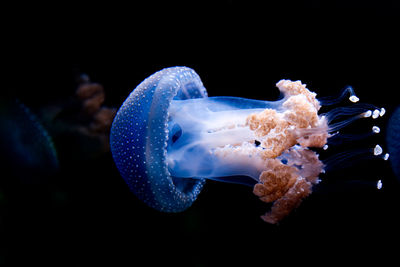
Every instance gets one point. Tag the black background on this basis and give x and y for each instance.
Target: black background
(85, 215)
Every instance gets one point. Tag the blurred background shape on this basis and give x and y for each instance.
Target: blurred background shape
(27, 150)
(81, 123)
(393, 141)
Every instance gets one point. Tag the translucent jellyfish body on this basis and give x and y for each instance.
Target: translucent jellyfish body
(28, 152)
(393, 141)
(168, 136)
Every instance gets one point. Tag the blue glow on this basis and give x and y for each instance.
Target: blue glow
(139, 137)
(393, 141)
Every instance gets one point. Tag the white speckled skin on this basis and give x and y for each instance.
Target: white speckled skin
(139, 136)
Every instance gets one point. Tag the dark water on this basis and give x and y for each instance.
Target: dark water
(84, 213)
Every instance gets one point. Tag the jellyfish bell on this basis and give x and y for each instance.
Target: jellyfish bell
(139, 136)
(28, 152)
(168, 137)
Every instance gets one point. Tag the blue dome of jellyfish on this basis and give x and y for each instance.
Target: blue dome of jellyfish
(139, 137)
(393, 141)
(28, 152)
(169, 136)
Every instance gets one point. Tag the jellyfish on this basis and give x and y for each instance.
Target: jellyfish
(28, 151)
(392, 139)
(168, 137)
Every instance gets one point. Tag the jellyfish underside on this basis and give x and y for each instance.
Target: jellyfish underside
(198, 127)
(258, 143)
